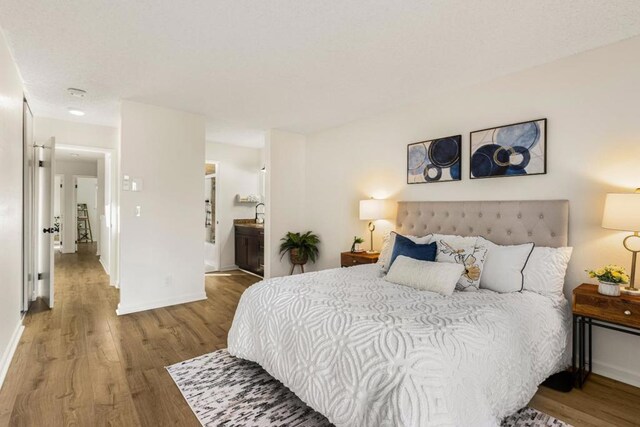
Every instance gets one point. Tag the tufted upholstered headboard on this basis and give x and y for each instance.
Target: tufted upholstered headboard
(544, 222)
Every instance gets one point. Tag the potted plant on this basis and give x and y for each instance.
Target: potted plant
(610, 277)
(357, 241)
(301, 248)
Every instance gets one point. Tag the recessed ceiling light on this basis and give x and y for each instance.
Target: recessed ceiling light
(76, 112)
(75, 155)
(78, 93)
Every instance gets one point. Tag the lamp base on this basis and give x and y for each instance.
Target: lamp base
(630, 291)
(372, 252)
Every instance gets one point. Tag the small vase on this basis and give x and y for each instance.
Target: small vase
(608, 288)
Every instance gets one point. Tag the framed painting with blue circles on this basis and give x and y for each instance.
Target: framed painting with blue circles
(437, 160)
(519, 149)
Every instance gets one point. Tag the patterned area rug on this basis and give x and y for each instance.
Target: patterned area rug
(223, 390)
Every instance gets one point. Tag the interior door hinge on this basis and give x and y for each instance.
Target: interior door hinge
(40, 163)
(39, 276)
(76, 185)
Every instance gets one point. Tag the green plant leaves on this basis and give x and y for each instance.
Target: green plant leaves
(306, 244)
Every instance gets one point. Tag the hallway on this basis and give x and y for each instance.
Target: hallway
(81, 364)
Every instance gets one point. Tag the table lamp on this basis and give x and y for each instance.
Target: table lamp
(372, 210)
(622, 212)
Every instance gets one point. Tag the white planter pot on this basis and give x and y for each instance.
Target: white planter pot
(610, 289)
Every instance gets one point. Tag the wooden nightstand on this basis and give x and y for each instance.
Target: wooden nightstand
(348, 259)
(593, 309)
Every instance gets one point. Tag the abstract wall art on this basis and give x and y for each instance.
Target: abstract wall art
(513, 150)
(436, 160)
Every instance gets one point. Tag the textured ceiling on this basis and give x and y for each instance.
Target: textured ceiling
(299, 65)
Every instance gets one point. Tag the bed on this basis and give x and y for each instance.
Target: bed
(366, 352)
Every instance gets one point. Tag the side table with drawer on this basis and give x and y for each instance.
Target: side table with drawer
(349, 259)
(621, 313)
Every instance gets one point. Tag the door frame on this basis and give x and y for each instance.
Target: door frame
(218, 251)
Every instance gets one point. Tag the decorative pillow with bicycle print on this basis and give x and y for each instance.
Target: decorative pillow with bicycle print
(468, 251)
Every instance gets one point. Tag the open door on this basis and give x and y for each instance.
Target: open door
(44, 207)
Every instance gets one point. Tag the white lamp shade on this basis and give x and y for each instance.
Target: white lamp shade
(622, 212)
(373, 209)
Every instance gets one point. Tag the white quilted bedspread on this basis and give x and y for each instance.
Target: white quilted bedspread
(365, 352)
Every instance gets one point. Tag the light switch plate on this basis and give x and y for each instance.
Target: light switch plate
(136, 184)
(126, 183)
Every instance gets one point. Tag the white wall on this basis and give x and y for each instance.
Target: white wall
(591, 102)
(69, 169)
(285, 178)
(74, 133)
(87, 192)
(238, 173)
(79, 167)
(161, 250)
(11, 148)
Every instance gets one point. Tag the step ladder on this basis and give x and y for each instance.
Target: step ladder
(84, 225)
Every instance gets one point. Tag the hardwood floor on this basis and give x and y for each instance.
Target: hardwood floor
(80, 364)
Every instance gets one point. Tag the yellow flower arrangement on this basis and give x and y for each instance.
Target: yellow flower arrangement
(610, 273)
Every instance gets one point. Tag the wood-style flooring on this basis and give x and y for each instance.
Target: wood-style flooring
(80, 364)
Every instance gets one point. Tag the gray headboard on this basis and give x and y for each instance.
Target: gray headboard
(544, 222)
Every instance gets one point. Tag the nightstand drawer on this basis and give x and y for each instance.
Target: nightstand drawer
(348, 259)
(620, 310)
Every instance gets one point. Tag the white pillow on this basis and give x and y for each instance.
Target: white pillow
(546, 269)
(387, 247)
(436, 277)
(467, 251)
(504, 266)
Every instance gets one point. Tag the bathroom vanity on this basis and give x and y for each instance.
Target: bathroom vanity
(249, 243)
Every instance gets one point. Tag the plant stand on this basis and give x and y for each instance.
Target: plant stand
(293, 266)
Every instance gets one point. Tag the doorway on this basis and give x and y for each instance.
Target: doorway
(211, 220)
(86, 213)
(58, 204)
(88, 167)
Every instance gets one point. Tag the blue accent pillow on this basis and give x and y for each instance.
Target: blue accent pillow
(405, 246)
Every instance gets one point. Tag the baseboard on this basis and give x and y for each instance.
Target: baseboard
(251, 273)
(229, 267)
(150, 305)
(618, 374)
(7, 356)
(106, 270)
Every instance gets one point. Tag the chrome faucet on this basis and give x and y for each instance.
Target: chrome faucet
(256, 217)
